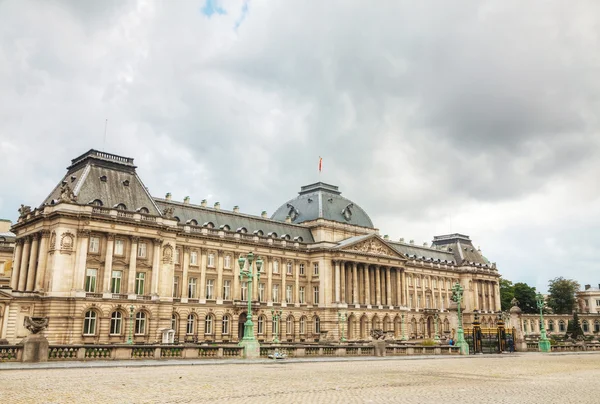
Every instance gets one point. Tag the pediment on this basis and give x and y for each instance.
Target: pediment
(373, 246)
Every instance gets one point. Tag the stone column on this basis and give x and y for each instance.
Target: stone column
(343, 283)
(297, 284)
(23, 266)
(269, 264)
(490, 301)
(378, 284)
(32, 263)
(14, 279)
(108, 261)
(203, 263)
(388, 281)
(497, 296)
(184, 275)
(283, 271)
(237, 287)
(337, 281)
(398, 287)
(367, 286)
(354, 283)
(156, 265)
(81, 260)
(219, 286)
(132, 265)
(404, 288)
(43, 258)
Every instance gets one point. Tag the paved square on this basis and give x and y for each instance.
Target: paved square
(527, 378)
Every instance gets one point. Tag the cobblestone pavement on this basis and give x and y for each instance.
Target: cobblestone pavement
(518, 379)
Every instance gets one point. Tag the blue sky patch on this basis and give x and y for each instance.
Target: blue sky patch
(243, 15)
(212, 7)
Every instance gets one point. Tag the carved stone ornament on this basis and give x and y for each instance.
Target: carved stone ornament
(24, 211)
(35, 324)
(66, 241)
(52, 244)
(514, 302)
(66, 193)
(168, 212)
(168, 254)
(377, 334)
(293, 212)
(347, 212)
(373, 246)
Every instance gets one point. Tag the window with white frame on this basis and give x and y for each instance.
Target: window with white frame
(176, 286)
(301, 269)
(244, 290)
(410, 301)
(116, 321)
(94, 246)
(276, 293)
(192, 288)
(261, 292)
(211, 260)
(434, 283)
(276, 267)
(301, 292)
(316, 269)
(261, 325)
(140, 323)
(115, 281)
(289, 325)
(290, 268)
(418, 281)
(410, 281)
(315, 295)
(177, 255)
(89, 323)
(288, 294)
(90, 280)
(210, 285)
(225, 325)
(208, 325)
(316, 325)
(140, 279)
(142, 250)
(174, 319)
(227, 262)
(226, 290)
(597, 302)
(191, 325)
(302, 325)
(427, 302)
(194, 258)
(119, 247)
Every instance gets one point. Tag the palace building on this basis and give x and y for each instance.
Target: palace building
(101, 256)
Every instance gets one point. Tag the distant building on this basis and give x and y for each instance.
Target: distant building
(7, 247)
(100, 244)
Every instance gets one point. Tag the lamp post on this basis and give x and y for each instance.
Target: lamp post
(403, 328)
(276, 315)
(342, 318)
(457, 296)
(130, 338)
(251, 346)
(544, 344)
(436, 319)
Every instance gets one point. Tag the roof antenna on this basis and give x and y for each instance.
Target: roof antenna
(104, 143)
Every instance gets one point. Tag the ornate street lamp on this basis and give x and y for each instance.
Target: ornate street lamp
(251, 346)
(544, 344)
(457, 296)
(130, 338)
(436, 319)
(342, 318)
(276, 315)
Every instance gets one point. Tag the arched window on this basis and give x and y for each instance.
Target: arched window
(116, 323)
(193, 222)
(316, 325)
(561, 326)
(96, 202)
(272, 234)
(209, 225)
(225, 227)
(144, 210)
(191, 325)
(121, 206)
(550, 325)
(446, 325)
(289, 325)
(208, 325)
(261, 325)
(174, 322)
(177, 219)
(89, 323)
(225, 328)
(258, 232)
(140, 323)
(302, 325)
(596, 326)
(413, 326)
(242, 230)
(585, 325)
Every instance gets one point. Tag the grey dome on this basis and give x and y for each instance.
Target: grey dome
(322, 201)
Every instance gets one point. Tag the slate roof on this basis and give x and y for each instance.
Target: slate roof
(325, 201)
(461, 247)
(8, 236)
(202, 215)
(425, 253)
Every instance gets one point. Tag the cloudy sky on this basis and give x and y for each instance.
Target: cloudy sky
(435, 117)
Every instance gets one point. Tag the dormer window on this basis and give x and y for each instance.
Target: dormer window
(103, 178)
(272, 234)
(298, 239)
(126, 183)
(242, 230)
(96, 202)
(176, 218)
(285, 237)
(120, 206)
(209, 225)
(258, 233)
(193, 222)
(225, 227)
(143, 210)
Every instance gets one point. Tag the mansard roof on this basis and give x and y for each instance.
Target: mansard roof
(461, 247)
(413, 251)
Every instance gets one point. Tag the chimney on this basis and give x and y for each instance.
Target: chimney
(186, 200)
(203, 203)
(288, 219)
(217, 206)
(587, 287)
(386, 237)
(412, 241)
(168, 196)
(236, 209)
(263, 214)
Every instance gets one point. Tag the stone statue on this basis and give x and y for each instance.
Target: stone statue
(378, 337)
(35, 324)
(24, 210)
(168, 212)
(66, 193)
(377, 334)
(293, 212)
(514, 302)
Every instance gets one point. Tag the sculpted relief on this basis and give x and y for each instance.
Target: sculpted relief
(373, 246)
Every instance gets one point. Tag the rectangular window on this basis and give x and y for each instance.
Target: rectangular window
(434, 282)
(226, 290)
(115, 323)
(142, 250)
(211, 260)
(177, 255)
(288, 294)
(261, 292)
(301, 269)
(139, 283)
(316, 269)
(94, 245)
(275, 267)
(597, 302)
(244, 290)
(209, 288)
(290, 269)
(315, 295)
(418, 282)
(276, 293)
(227, 262)
(175, 286)
(225, 329)
(119, 247)
(115, 281)
(410, 301)
(301, 298)
(193, 258)
(90, 280)
(192, 288)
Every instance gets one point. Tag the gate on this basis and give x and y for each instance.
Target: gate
(489, 340)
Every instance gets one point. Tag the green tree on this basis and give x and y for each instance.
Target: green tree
(507, 293)
(561, 295)
(525, 294)
(574, 327)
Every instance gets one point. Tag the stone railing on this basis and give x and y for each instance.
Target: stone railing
(356, 350)
(11, 353)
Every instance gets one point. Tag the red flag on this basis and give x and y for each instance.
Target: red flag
(320, 164)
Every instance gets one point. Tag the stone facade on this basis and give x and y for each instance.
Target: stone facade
(102, 258)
